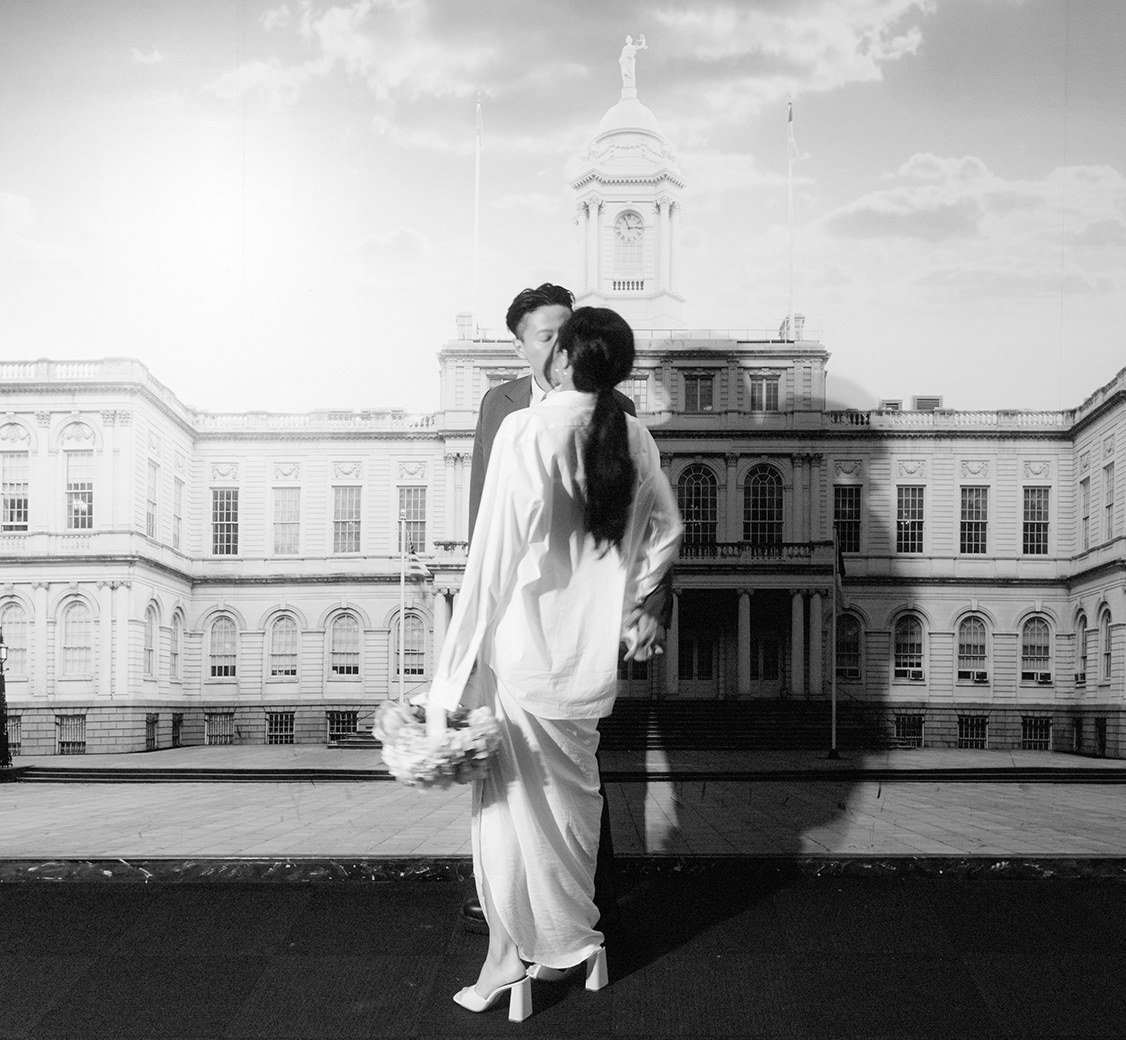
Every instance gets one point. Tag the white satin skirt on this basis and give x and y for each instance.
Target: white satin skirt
(535, 831)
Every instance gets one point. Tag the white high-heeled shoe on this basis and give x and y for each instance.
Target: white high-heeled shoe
(596, 974)
(519, 999)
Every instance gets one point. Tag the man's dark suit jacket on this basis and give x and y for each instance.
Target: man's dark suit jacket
(496, 405)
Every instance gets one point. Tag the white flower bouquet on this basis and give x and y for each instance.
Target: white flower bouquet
(463, 755)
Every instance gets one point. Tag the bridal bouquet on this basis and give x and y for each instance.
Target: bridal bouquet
(464, 754)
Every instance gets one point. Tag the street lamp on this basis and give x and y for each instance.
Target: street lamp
(5, 750)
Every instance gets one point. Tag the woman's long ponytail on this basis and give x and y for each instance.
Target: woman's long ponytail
(599, 347)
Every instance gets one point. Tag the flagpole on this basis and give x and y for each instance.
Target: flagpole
(833, 650)
(477, 223)
(790, 148)
(402, 599)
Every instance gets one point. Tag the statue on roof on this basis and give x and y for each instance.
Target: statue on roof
(628, 60)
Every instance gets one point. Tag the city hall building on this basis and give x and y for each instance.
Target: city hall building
(174, 577)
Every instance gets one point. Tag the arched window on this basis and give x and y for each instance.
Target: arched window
(848, 647)
(1081, 650)
(697, 497)
(176, 650)
(13, 624)
(414, 645)
(971, 650)
(908, 640)
(150, 643)
(223, 649)
(1104, 645)
(629, 241)
(1035, 651)
(762, 507)
(283, 648)
(344, 646)
(78, 640)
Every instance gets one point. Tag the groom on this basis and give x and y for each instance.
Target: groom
(534, 319)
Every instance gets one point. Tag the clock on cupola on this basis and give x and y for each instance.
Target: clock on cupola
(628, 194)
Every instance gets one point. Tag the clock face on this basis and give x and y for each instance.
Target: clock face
(629, 227)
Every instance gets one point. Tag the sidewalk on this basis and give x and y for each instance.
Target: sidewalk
(817, 808)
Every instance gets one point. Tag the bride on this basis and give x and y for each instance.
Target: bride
(577, 526)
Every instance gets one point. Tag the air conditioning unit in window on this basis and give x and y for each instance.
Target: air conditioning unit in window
(1080, 678)
(980, 677)
(848, 673)
(1044, 677)
(915, 674)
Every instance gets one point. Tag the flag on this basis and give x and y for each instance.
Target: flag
(416, 569)
(791, 144)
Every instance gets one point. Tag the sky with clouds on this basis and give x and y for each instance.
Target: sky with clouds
(271, 204)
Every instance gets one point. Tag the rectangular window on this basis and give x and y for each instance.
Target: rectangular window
(287, 521)
(1108, 502)
(70, 734)
(177, 512)
(177, 729)
(412, 505)
(15, 741)
(1034, 534)
(1035, 733)
(346, 519)
(909, 519)
(973, 731)
(150, 500)
(342, 723)
(698, 392)
(1085, 514)
(218, 727)
(764, 393)
(279, 727)
(224, 521)
(636, 388)
(152, 727)
(973, 532)
(79, 490)
(14, 470)
(909, 731)
(846, 516)
(697, 658)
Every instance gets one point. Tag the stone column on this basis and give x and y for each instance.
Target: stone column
(39, 643)
(461, 499)
(733, 518)
(453, 527)
(441, 620)
(674, 228)
(744, 644)
(104, 682)
(797, 643)
(672, 649)
(121, 597)
(816, 663)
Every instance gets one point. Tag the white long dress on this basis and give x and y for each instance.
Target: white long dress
(541, 613)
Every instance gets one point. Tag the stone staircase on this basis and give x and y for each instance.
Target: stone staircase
(765, 725)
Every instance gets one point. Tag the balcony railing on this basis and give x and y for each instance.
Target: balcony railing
(811, 553)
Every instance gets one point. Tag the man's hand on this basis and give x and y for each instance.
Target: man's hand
(645, 636)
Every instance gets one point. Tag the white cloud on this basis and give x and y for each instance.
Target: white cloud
(17, 215)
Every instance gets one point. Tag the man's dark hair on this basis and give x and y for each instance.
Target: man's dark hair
(529, 300)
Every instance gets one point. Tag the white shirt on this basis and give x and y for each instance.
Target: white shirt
(539, 605)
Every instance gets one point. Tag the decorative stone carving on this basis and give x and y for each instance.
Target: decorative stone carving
(154, 443)
(124, 418)
(1108, 446)
(412, 470)
(1037, 468)
(912, 467)
(346, 470)
(224, 471)
(178, 463)
(975, 467)
(1084, 462)
(287, 471)
(109, 417)
(43, 418)
(77, 434)
(848, 468)
(14, 433)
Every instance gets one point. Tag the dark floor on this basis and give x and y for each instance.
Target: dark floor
(718, 952)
